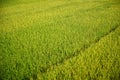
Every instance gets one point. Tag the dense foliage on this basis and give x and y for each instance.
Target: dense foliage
(58, 39)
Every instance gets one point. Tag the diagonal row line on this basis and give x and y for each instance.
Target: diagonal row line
(77, 52)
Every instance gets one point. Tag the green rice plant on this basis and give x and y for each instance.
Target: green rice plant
(35, 36)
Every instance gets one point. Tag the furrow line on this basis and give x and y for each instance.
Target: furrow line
(77, 52)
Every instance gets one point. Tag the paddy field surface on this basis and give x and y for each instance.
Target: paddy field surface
(59, 40)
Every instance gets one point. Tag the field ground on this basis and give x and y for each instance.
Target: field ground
(59, 40)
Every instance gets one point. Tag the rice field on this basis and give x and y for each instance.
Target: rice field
(59, 40)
